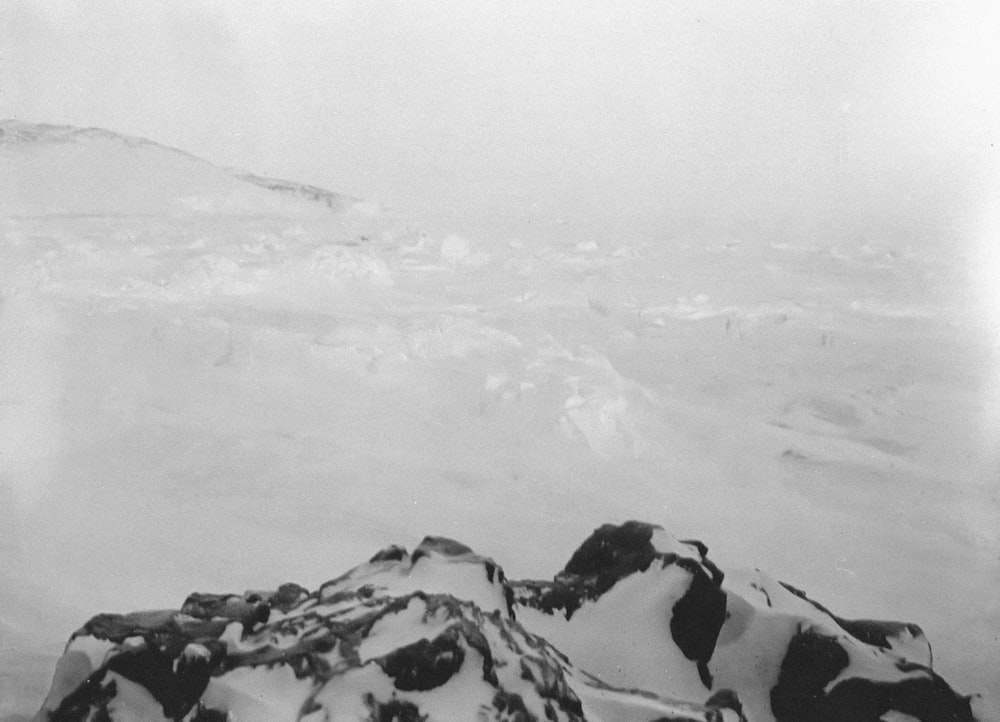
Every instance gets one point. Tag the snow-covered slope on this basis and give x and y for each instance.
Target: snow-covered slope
(52, 169)
(442, 635)
(204, 396)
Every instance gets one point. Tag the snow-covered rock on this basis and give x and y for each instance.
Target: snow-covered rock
(638, 626)
(639, 608)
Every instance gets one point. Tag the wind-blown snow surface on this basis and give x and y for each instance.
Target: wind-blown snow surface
(206, 384)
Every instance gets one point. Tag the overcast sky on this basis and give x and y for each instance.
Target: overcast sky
(879, 116)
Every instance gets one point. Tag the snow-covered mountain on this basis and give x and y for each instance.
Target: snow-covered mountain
(210, 382)
(55, 169)
(443, 635)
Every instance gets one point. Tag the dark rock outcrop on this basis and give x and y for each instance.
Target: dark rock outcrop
(811, 686)
(637, 626)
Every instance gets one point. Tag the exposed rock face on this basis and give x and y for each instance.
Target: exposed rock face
(639, 608)
(638, 627)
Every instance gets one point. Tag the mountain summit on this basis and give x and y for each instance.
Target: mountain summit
(638, 627)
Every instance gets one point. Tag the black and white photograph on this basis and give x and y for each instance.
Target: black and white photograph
(499, 361)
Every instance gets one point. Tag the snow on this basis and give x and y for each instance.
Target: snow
(206, 385)
(757, 671)
(276, 693)
(645, 656)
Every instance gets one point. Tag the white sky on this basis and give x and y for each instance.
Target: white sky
(879, 117)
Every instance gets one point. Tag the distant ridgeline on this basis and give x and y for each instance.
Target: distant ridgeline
(59, 169)
(638, 626)
(333, 201)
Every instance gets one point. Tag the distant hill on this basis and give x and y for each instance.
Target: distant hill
(65, 170)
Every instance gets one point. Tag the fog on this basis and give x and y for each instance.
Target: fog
(870, 121)
(754, 298)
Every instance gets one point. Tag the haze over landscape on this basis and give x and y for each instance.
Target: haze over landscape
(867, 118)
(727, 268)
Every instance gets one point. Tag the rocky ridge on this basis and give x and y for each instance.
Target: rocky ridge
(638, 626)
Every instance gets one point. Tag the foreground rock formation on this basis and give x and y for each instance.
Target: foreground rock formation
(638, 627)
